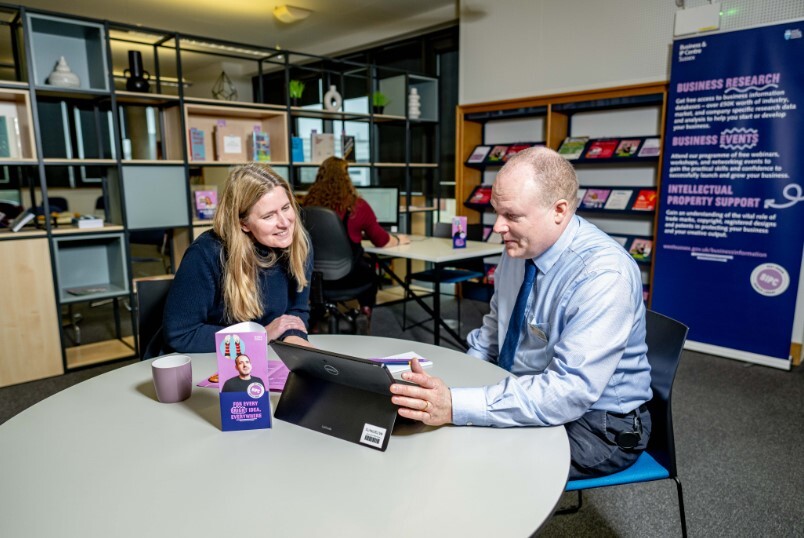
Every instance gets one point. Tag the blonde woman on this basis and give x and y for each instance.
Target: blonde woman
(254, 265)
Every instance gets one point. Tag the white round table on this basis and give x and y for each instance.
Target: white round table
(105, 458)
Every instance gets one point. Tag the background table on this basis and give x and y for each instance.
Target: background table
(104, 458)
(439, 252)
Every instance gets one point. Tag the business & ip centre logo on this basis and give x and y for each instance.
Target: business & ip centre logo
(770, 279)
(255, 390)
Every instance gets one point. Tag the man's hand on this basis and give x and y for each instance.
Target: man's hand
(430, 401)
(283, 323)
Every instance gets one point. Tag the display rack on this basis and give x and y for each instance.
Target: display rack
(621, 113)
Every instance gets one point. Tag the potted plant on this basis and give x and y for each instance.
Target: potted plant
(295, 89)
(379, 101)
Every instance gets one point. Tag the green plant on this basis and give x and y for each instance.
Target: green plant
(296, 88)
(379, 99)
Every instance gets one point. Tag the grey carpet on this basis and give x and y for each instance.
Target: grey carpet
(738, 428)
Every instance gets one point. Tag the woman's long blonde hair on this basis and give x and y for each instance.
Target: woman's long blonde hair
(333, 187)
(241, 258)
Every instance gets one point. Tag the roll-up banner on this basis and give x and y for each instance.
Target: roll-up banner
(731, 214)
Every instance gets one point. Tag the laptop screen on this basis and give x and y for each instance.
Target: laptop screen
(335, 368)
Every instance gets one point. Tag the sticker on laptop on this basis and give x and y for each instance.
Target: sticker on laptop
(372, 435)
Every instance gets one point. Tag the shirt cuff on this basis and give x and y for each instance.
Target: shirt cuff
(293, 332)
(469, 406)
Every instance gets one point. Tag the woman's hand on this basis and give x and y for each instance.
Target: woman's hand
(397, 239)
(282, 324)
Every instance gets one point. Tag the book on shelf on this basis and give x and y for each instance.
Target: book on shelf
(601, 149)
(5, 143)
(640, 249)
(297, 149)
(322, 146)
(479, 154)
(21, 220)
(595, 198)
(197, 150)
(259, 146)
(496, 155)
(348, 148)
(645, 200)
(650, 148)
(627, 147)
(581, 195)
(206, 202)
(481, 195)
(621, 239)
(87, 221)
(228, 143)
(87, 290)
(618, 199)
(242, 351)
(572, 147)
(513, 149)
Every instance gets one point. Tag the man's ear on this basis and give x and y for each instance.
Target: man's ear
(561, 211)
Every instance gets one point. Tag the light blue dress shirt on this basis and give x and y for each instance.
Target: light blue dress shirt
(585, 344)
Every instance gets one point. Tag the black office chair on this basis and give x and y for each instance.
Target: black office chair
(58, 204)
(665, 339)
(151, 296)
(333, 259)
(457, 274)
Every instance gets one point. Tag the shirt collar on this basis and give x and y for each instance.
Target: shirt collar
(549, 257)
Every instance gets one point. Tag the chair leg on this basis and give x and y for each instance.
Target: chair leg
(681, 507)
(572, 509)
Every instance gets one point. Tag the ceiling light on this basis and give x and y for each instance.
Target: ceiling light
(289, 14)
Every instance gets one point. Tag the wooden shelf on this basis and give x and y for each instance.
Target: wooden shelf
(70, 230)
(99, 352)
(79, 162)
(242, 120)
(15, 105)
(139, 98)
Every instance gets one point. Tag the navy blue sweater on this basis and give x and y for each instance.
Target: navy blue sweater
(194, 307)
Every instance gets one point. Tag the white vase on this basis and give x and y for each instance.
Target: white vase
(332, 100)
(414, 104)
(62, 76)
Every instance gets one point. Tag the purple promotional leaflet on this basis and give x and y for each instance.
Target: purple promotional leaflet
(728, 252)
(242, 351)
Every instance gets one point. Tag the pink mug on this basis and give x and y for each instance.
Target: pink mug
(173, 378)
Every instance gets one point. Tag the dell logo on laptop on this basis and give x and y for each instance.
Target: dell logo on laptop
(331, 369)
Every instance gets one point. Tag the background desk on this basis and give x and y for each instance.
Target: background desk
(104, 458)
(439, 252)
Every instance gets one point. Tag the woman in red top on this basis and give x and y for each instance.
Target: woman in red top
(333, 188)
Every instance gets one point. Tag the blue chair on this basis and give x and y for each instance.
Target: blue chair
(665, 339)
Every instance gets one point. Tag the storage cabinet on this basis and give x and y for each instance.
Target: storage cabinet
(30, 330)
(85, 143)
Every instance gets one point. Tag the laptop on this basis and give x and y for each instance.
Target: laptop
(336, 394)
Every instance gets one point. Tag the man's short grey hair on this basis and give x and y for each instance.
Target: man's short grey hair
(554, 175)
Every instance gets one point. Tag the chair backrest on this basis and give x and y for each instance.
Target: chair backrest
(58, 204)
(151, 296)
(665, 339)
(332, 251)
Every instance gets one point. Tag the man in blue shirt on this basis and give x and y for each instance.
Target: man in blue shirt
(571, 328)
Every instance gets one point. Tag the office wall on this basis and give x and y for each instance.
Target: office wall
(520, 48)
